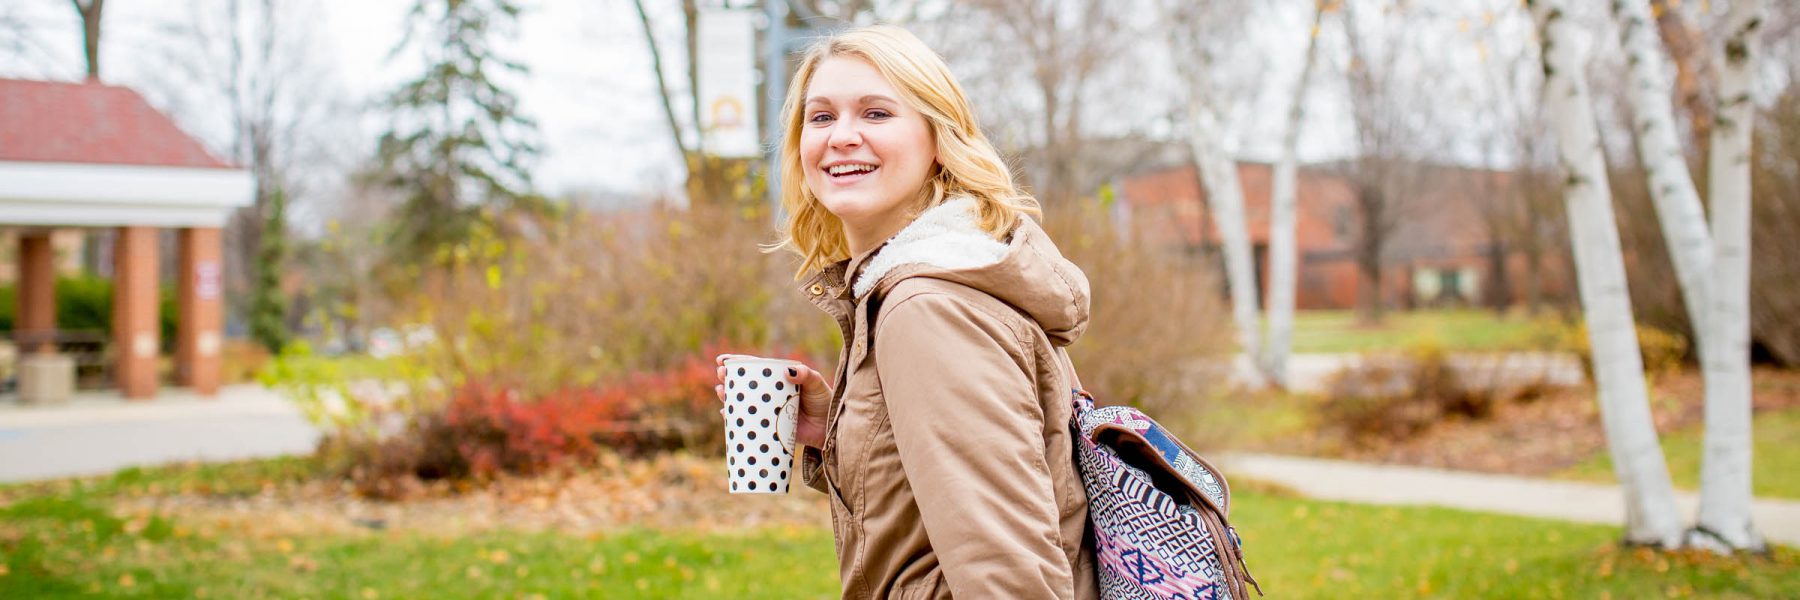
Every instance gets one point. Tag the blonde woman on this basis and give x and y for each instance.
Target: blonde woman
(943, 436)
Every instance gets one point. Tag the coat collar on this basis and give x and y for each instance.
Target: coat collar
(945, 236)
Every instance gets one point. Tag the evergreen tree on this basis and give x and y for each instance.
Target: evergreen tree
(268, 308)
(457, 142)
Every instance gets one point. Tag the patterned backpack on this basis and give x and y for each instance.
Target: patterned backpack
(1158, 509)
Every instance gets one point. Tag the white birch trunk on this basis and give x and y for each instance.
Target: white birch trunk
(1725, 492)
(1225, 196)
(1651, 514)
(1672, 189)
(1283, 254)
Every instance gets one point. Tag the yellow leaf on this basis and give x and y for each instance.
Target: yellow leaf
(284, 545)
(3, 570)
(500, 557)
(127, 580)
(370, 594)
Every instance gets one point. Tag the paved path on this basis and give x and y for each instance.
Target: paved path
(1778, 520)
(1311, 372)
(99, 433)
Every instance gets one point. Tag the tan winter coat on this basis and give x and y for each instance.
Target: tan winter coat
(948, 456)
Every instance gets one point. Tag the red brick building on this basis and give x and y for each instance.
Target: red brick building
(93, 156)
(1441, 253)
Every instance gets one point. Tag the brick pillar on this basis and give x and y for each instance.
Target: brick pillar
(201, 311)
(135, 342)
(36, 324)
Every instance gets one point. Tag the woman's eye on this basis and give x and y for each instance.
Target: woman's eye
(819, 117)
(879, 114)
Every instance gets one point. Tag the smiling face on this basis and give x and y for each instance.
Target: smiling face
(865, 153)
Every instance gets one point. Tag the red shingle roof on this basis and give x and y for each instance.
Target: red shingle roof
(92, 123)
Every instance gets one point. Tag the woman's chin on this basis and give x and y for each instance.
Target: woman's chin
(850, 206)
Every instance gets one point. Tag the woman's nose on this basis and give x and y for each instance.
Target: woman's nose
(844, 134)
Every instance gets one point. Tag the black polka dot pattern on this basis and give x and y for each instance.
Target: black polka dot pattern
(759, 457)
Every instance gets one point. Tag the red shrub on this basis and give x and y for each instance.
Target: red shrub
(496, 428)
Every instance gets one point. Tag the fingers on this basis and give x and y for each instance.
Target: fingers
(814, 391)
(807, 377)
(719, 390)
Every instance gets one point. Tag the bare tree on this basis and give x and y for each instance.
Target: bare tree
(1283, 259)
(90, 33)
(1062, 48)
(257, 60)
(1385, 172)
(712, 179)
(1196, 59)
(1672, 189)
(1725, 492)
(1686, 47)
(1651, 513)
(23, 50)
(1725, 364)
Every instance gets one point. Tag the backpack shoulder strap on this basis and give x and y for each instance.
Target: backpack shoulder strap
(1068, 366)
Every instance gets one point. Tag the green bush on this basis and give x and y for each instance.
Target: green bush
(84, 303)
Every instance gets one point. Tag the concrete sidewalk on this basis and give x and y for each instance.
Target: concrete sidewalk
(1778, 520)
(98, 433)
(1311, 373)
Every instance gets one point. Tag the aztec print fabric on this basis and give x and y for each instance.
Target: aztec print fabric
(1150, 544)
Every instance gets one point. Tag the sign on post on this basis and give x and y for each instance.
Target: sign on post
(728, 83)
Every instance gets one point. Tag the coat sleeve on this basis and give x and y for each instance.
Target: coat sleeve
(812, 468)
(966, 420)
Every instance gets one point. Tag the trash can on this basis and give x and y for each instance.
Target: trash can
(46, 378)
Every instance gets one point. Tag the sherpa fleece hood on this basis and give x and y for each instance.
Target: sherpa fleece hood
(1027, 272)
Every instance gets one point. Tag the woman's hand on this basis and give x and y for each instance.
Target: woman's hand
(815, 400)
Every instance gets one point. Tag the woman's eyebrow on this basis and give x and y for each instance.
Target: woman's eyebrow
(869, 99)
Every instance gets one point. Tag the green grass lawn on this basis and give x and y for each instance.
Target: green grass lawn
(1474, 330)
(1775, 451)
(65, 540)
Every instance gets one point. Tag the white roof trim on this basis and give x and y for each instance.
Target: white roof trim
(43, 193)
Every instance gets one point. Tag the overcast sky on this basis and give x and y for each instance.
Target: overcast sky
(593, 95)
(591, 89)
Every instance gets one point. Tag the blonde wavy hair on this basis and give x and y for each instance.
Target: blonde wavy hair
(967, 164)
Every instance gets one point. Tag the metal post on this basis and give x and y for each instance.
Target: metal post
(775, 81)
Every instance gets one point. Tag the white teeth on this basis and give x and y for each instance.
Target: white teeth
(844, 169)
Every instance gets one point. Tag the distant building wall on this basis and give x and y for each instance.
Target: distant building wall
(1438, 256)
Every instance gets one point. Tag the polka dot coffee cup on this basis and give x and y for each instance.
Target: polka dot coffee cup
(761, 410)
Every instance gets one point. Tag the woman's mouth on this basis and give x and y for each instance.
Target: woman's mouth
(849, 172)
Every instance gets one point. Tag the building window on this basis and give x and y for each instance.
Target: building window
(1340, 222)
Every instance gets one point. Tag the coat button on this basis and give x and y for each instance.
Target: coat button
(816, 289)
